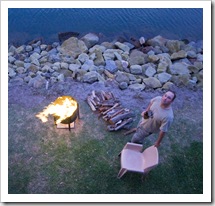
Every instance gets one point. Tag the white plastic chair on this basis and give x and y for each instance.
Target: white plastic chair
(134, 160)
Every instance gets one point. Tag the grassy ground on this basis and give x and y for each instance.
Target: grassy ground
(44, 159)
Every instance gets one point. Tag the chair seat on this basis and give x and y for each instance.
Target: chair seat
(132, 160)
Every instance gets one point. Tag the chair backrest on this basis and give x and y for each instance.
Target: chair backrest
(151, 158)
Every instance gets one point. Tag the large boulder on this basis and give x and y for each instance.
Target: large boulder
(73, 47)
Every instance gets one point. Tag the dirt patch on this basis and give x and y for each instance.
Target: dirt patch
(132, 99)
(188, 103)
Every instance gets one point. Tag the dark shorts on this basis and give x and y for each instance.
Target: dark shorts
(140, 135)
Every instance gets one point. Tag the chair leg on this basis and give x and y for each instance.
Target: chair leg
(121, 173)
(144, 175)
(119, 154)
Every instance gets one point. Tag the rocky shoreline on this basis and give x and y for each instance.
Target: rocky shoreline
(156, 63)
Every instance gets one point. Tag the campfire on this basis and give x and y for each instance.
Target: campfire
(64, 109)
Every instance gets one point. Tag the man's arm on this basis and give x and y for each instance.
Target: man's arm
(160, 137)
(147, 109)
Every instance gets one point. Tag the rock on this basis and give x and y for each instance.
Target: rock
(98, 60)
(20, 70)
(88, 65)
(20, 49)
(19, 63)
(142, 40)
(137, 86)
(37, 82)
(162, 67)
(191, 54)
(193, 69)
(110, 65)
(28, 48)
(179, 68)
(73, 47)
(33, 68)
(74, 67)
(157, 41)
(11, 72)
(152, 82)
(83, 57)
(150, 71)
(200, 57)
(90, 40)
(178, 55)
(180, 80)
(173, 46)
(64, 65)
(90, 77)
(123, 85)
(45, 68)
(137, 58)
(136, 69)
(168, 86)
(123, 47)
(164, 77)
(109, 54)
(60, 78)
(124, 64)
(11, 59)
(121, 77)
(153, 58)
(146, 49)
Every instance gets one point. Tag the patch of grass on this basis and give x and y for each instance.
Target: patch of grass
(43, 159)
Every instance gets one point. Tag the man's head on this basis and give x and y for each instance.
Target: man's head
(168, 98)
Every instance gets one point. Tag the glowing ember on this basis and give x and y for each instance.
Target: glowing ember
(63, 107)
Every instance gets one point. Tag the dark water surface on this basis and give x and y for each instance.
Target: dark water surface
(174, 23)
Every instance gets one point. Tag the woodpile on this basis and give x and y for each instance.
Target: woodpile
(110, 109)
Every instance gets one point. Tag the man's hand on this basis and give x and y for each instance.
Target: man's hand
(142, 114)
(157, 144)
(160, 137)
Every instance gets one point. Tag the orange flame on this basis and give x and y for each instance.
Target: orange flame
(62, 107)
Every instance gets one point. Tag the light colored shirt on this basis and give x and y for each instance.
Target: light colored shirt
(161, 120)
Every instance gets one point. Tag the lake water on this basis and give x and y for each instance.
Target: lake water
(25, 25)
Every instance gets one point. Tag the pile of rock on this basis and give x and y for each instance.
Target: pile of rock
(136, 64)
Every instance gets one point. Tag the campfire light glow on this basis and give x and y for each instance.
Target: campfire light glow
(63, 107)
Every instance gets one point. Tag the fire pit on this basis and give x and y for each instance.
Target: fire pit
(65, 110)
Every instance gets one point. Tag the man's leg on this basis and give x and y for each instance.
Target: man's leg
(139, 135)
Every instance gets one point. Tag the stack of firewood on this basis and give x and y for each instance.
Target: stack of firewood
(110, 109)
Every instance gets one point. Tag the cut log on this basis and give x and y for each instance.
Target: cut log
(90, 103)
(130, 131)
(123, 124)
(121, 116)
(119, 126)
(116, 113)
(102, 95)
(115, 105)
